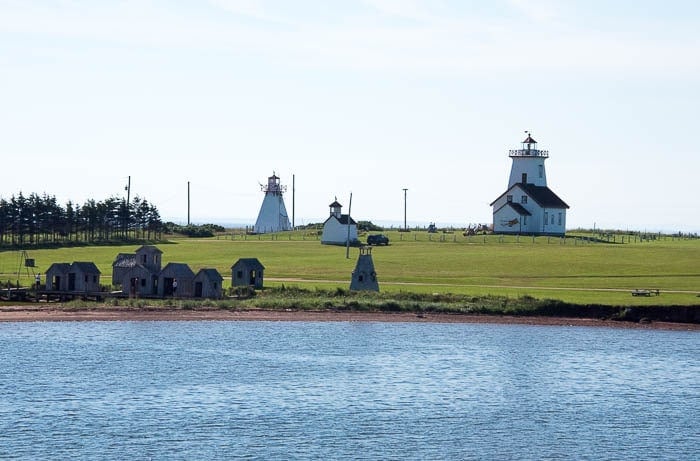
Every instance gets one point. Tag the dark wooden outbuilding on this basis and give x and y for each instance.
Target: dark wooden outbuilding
(247, 272)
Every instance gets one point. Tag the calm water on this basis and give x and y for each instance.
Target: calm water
(288, 390)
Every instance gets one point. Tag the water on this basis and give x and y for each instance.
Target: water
(294, 390)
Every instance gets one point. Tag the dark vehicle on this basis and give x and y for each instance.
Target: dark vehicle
(377, 239)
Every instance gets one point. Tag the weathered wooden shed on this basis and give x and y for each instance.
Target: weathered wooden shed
(84, 276)
(176, 279)
(139, 281)
(57, 277)
(247, 272)
(208, 284)
(147, 256)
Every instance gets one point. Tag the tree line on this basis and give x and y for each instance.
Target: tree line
(41, 220)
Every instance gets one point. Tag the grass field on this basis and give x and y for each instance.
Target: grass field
(574, 270)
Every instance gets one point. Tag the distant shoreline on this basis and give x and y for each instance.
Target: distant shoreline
(33, 313)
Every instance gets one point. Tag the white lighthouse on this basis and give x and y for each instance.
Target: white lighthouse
(273, 214)
(529, 206)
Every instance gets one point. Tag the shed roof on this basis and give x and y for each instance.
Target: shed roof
(249, 262)
(209, 274)
(85, 267)
(125, 260)
(151, 248)
(181, 270)
(59, 267)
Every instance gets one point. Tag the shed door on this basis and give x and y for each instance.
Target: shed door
(198, 289)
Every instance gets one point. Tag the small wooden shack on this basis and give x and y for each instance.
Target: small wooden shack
(208, 284)
(84, 277)
(176, 280)
(57, 277)
(247, 272)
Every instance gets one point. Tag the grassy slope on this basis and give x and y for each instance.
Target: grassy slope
(574, 272)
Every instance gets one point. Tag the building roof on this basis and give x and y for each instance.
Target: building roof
(181, 270)
(519, 209)
(542, 195)
(335, 204)
(344, 219)
(209, 274)
(151, 248)
(249, 262)
(59, 267)
(125, 260)
(86, 267)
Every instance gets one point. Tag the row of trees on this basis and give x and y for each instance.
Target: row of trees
(38, 220)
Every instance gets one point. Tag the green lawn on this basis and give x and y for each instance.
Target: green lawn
(573, 270)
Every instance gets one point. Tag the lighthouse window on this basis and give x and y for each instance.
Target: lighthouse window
(541, 170)
(523, 199)
(509, 198)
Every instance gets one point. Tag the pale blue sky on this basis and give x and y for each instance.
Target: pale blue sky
(366, 97)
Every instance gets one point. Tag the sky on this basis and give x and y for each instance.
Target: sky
(360, 98)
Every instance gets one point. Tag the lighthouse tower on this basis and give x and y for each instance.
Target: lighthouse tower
(273, 214)
(529, 206)
(528, 164)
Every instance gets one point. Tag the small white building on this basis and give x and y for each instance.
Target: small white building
(338, 228)
(529, 206)
(273, 214)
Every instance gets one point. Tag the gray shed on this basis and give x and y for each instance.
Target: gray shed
(147, 256)
(176, 280)
(57, 277)
(139, 281)
(84, 276)
(247, 272)
(208, 284)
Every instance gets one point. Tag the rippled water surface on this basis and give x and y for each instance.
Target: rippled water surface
(295, 390)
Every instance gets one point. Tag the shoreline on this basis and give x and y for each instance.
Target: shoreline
(103, 313)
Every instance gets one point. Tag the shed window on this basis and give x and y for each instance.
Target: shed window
(552, 223)
(509, 198)
(523, 199)
(546, 218)
(143, 282)
(560, 219)
(239, 274)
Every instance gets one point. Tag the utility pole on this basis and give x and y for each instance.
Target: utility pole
(294, 189)
(188, 203)
(404, 210)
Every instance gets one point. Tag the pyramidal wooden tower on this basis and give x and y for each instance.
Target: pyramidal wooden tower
(273, 214)
(364, 276)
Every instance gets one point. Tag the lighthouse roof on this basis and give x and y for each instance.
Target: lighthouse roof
(529, 140)
(335, 204)
(542, 195)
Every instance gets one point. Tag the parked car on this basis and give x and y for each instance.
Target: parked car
(377, 239)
